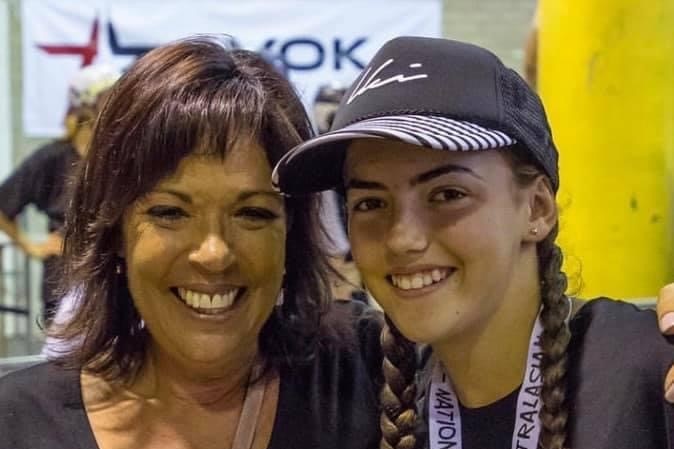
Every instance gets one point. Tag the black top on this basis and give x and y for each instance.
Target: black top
(40, 180)
(330, 403)
(617, 365)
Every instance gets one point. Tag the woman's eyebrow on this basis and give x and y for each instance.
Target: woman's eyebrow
(267, 193)
(180, 195)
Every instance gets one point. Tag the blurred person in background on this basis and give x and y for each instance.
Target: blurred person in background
(205, 318)
(41, 179)
(346, 282)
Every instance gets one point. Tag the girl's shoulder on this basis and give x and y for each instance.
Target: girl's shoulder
(617, 364)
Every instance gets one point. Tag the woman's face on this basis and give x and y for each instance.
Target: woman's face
(205, 252)
(437, 235)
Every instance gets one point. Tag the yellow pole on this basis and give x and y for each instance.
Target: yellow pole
(606, 76)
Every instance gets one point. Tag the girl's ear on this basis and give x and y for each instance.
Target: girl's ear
(542, 210)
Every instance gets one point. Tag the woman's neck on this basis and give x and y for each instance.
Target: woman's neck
(485, 364)
(172, 383)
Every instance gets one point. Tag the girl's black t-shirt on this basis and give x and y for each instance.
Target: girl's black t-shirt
(329, 403)
(618, 361)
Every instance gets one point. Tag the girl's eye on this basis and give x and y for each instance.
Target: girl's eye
(167, 213)
(257, 214)
(447, 195)
(368, 204)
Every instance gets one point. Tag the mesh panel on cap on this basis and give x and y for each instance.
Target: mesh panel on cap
(525, 116)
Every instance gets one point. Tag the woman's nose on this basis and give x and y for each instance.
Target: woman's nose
(213, 253)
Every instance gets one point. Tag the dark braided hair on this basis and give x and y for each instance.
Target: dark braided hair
(554, 342)
(556, 308)
(398, 396)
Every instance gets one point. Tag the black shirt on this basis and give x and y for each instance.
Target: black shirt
(40, 180)
(617, 365)
(330, 403)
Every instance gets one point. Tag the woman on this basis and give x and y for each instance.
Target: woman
(201, 288)
(459, 249)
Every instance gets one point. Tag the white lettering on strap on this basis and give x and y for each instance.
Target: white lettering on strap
(445, 415)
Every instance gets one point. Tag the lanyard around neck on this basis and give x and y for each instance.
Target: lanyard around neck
(444, 424)
(252, 405)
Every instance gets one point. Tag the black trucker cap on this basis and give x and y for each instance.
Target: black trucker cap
(430, 92)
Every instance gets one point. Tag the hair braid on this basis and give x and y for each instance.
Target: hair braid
(554, 341)
(398, 396)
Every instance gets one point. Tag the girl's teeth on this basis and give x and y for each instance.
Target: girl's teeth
(418, 280)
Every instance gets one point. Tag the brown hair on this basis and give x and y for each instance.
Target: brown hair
(399, 414)
(190, 95)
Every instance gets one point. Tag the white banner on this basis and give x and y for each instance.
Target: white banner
(319, 42)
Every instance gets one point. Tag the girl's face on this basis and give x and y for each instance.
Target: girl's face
(438, 236)
(204, 253)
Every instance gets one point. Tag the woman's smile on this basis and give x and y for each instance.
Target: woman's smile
(210, 301)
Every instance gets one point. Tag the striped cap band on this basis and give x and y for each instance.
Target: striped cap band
(432, 131)
(311, 166)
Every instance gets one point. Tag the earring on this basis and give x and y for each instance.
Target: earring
(533, 231)
(118, 267)
(279, 298)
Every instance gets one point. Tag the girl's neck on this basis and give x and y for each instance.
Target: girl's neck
(486, 364)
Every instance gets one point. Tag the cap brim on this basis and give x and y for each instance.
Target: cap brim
(316, 164)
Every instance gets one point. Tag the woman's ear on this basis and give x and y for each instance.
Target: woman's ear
(542, 210)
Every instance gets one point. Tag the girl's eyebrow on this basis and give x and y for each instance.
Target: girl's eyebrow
(442, 170)
(355, 183)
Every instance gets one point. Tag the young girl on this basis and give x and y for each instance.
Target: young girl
(458, 246)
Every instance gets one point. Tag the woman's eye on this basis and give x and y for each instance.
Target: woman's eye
(368, 204)
(257, 214)
(447, 195)
(167, 213)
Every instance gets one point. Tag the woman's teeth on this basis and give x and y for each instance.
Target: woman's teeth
(419, 280)
(205, 302)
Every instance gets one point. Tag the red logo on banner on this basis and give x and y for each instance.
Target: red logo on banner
(87, 51)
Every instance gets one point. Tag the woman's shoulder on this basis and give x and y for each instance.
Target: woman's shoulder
(28, 387)
(42, 406)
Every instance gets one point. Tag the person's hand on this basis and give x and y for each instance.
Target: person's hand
(52, 246)
(665, 309)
